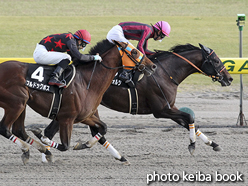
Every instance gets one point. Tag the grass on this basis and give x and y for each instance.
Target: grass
(212, 23)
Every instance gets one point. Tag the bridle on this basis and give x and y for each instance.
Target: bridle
(137, 61)
(217, 70)
(207, 60)
(215, 77)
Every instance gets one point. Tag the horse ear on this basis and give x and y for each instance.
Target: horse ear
(116, 42)
(122, 44)
(206, 49)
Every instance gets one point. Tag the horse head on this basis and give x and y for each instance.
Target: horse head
(213, 67)
(141, 62)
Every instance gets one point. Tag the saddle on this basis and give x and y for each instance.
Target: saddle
(38, 77)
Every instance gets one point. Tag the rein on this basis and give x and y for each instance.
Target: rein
(91, 75)
(214, 78)
(190, 63)
(123, 66)
(174, 81)
(161, 91)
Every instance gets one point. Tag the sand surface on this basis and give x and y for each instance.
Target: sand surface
(156, 148)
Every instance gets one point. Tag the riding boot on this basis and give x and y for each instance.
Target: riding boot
(54, 80)
(126, 76)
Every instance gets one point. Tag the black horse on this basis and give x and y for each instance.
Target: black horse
(173, 67)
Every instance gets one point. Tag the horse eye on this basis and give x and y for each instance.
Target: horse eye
(134, 53)
(216, 63)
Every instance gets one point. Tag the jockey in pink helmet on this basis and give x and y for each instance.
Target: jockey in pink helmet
(164, 27)
(140, 32)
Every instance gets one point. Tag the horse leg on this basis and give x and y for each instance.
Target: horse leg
(201, 135)
(65, 135)
(8, 119)
(49, 132)
(53, 128)
(183, 119)
(109, 147)
(207, 141)
(95, 122)
(186, 120)
(18, 129)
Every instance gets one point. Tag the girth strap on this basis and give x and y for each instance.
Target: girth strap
(55, 105)
(133, 100)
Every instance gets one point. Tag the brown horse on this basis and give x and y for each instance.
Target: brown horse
(78, 104)
(173, 68)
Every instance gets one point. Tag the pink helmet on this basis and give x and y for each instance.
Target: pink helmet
(164, 26)
(83, 35)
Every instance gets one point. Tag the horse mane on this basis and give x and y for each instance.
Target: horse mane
(183, 48)
(176, 49)
(101, 47)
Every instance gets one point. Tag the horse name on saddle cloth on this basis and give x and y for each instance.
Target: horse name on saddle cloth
(38, 77)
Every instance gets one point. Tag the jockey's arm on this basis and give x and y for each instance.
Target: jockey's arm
(76, 54)
(142, 44)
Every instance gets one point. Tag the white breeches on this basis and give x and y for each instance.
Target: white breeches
(116, 33)
(42, 56)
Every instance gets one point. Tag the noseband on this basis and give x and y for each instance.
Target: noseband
(216, 71)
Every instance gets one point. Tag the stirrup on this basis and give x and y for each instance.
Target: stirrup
(125, 76)
(54, 81)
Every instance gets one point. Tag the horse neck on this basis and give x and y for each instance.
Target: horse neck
(102, 77)
(181, 69)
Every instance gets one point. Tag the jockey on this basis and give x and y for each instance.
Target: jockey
(140, 32)
(51, 50)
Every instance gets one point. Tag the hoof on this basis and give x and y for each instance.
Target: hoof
(216, 147)
(80, 146)
(37, 132)
(192, 148)
(25, 157)
(49, 158)
(124, 161)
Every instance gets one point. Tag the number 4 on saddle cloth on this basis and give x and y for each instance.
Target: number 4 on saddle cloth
(38, 77)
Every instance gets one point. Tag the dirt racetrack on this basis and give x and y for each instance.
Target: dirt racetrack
(156, 148)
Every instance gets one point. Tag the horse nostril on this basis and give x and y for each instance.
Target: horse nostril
(154, 67)
(230, 79)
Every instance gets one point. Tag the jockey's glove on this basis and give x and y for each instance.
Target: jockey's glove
(97, 58)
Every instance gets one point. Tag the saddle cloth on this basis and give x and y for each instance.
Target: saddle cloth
(37, 78)
(39, 75)
(136, 76)
(132, 92)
